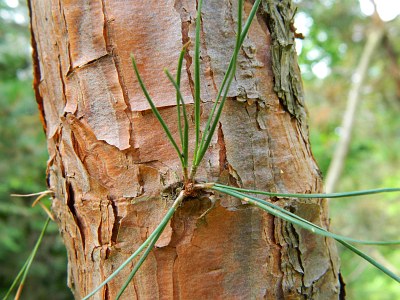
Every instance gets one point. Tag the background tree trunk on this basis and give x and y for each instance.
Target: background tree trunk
(110, 162)
(337, 164)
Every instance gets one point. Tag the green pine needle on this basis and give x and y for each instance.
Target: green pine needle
(185, 134)
(140, 262)
(155, 110)
(178, 102)
(308, 196)
(197, 99)
(156, 233)
(296, 220)
(212, 121)
(27, 265)
(370, 260)
(18, 277)
(179, 98)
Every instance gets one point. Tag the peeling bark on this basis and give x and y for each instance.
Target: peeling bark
(110, 161)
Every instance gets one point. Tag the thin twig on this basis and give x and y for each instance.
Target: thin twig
(34, 194)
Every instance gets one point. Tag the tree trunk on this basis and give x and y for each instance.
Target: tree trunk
(110, 163)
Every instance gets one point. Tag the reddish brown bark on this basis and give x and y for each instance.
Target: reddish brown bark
(110, 160)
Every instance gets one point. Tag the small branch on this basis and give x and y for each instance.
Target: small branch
(40, 195)
(336, 165)
(34, 194)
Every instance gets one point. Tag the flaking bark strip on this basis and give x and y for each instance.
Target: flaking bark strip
(36, 70)
(279, 16)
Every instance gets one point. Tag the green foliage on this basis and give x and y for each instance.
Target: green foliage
(14, 38)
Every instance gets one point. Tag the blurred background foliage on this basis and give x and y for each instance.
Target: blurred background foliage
(335, 33)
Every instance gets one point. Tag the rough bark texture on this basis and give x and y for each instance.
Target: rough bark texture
(110, 160)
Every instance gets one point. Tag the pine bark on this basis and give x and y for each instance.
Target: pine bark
(110, 164)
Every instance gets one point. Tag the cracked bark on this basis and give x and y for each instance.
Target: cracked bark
(109, 159)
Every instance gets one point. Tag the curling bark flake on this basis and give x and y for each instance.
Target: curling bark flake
(110, 161)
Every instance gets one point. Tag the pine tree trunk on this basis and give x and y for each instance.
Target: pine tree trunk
(110, 163)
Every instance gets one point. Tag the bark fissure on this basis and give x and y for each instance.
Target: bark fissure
(116, 59)
(36, 69)
(61, 77)
(116, 225)
(188, 57)
(87, 64)
(71, 205)
(223, 163)
(66, 31)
